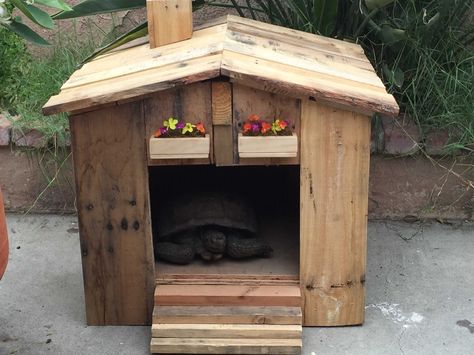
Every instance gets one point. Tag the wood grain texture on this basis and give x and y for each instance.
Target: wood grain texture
(268, 147)
(227, 331)
(222, 123)
(220, 295)
(169, 21)
(269, 106)
(226, 315)
(278, 59)
(113, 208)
(221, 103)
(333, 220)
(191, 103)
(225, 346)
(3, 238)
(179, 148)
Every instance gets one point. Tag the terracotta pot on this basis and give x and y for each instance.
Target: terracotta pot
(3, 238)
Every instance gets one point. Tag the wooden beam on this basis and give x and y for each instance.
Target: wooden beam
(227, 331)
(335, 153)
(222, 123)
(226, 315)
(113, 208)
(169, 21)
(225, 346)
(226, 295)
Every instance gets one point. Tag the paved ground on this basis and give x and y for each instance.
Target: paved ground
(420, 291)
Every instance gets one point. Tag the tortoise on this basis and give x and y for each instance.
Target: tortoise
(208, 225)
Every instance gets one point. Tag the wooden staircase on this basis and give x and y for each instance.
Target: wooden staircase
(227, 319)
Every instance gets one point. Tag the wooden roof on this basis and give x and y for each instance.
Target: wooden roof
(253, 53)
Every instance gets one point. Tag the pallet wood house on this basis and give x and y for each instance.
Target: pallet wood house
(227, 70)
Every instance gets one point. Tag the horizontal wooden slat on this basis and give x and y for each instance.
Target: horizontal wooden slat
(247, 331)
(224, 346)
(212, 295)
(226, 315)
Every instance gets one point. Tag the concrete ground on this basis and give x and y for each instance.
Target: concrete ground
(420, 291)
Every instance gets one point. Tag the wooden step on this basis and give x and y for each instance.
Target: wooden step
(224, 346)
(223, 295)
(228, 331)
(226, 315)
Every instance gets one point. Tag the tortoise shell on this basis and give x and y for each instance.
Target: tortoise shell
(193, 210)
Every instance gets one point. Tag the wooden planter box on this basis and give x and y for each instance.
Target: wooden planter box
(268, 147)
(179, 148)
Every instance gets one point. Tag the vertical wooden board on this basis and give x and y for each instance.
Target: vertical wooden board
(222, 123)
(114, 217)
(169, 21)
(190, 103)
(248, 101)
(333, 219)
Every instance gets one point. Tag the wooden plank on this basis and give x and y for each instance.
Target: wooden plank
(221, 103)
(223, 145)
(226, 315)
(230, 279)
(113, 209)
(222, 123)
(225, 346)
(169, 21)
(146, 83)
(327, 45)
(190, 103)
(179, 148)
(333, 221)
(303, 58)
(213, 295)
(303, 83)
(269, 106)
(3, 237)
(228, 331)
(268, 147)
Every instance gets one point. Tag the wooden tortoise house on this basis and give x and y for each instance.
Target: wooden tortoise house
(310, 188)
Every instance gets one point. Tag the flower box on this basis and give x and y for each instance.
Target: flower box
(268, 146)
(179, 148)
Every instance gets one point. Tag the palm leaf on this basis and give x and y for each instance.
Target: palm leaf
(27, 33)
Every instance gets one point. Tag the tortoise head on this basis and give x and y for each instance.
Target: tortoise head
(213, 240)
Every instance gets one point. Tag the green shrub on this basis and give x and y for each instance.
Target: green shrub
(14, 64)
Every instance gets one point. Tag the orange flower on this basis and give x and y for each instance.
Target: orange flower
(283, 124)
(157, 133)
(254, 118)
(247, 126)
(266, 127)
(200, 127)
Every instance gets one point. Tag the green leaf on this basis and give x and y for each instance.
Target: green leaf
(395, 77)
(55, 4)
(390, 35)
(27, 33)
(34, 14)
(326, 12)
(377, 4)
(137, 32)
(93, 7)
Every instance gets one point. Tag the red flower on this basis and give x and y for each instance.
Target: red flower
(283, 124)
(157, 133)
(200, 127)
(247, 127)
(266, 127)
(254, 118)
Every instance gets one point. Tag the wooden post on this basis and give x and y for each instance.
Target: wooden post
(169, 21)
(222, 123)
(335, 154)
(114, 217)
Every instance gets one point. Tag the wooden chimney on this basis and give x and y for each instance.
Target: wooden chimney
(169, 21)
